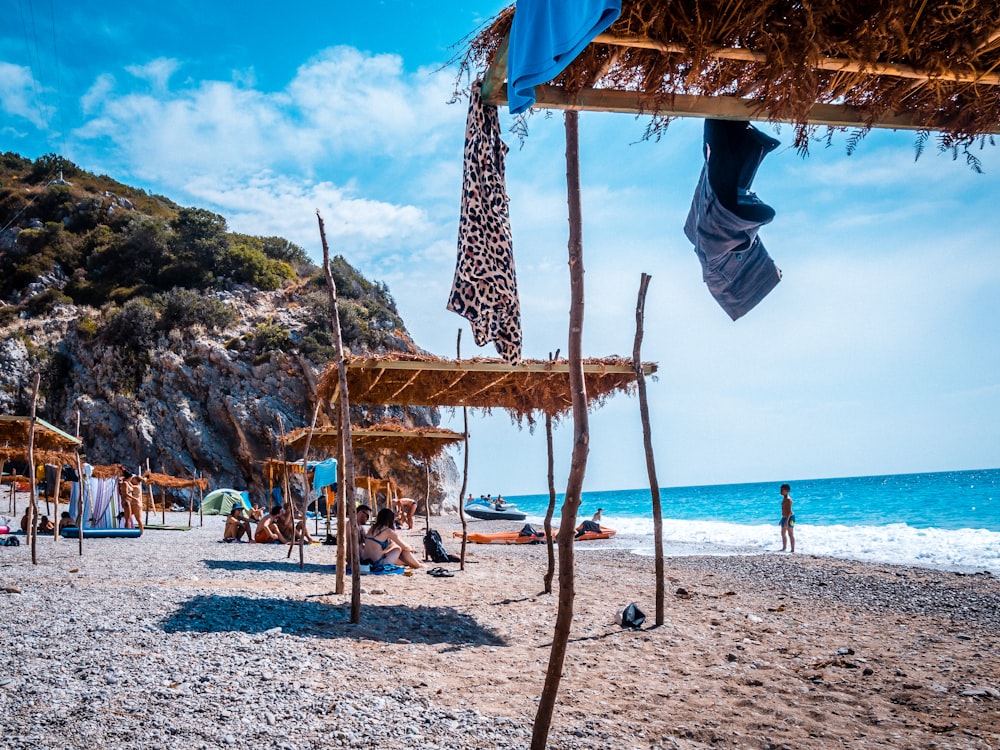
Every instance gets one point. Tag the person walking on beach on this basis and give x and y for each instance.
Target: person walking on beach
(787, 519)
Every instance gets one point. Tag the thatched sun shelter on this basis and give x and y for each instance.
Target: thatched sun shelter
(51, 445)
(524, 389)
(415, 441)
(901, 64)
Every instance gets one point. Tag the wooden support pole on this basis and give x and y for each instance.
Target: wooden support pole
(550, 570)
(647, 440)
(342, 551)
(84, 487)
(465, 466)
(581, 440)
(345, 432)
(55, 502)
(32, 511)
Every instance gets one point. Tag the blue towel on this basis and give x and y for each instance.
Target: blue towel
(545, 37)
(324, 474)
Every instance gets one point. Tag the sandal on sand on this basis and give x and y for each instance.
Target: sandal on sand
(440, 573)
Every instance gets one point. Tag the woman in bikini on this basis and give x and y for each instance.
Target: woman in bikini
(383, 545)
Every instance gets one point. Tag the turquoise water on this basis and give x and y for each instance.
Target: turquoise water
(943, 519)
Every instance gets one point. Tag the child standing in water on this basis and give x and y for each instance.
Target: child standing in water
(787, 519)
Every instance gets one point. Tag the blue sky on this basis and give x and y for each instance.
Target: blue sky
(877, 353)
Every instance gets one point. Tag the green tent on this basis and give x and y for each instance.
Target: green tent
(221, 502)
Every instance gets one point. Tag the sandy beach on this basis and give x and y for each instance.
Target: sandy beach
(176, 640)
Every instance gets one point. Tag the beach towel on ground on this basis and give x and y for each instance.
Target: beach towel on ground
(545, 37)
(484, 289)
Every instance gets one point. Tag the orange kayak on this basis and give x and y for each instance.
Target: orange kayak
(515, 537)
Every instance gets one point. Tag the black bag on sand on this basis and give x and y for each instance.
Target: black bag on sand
(631, 617)
(434, 548)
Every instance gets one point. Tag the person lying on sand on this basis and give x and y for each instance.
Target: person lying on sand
(237, 526)
(383, 545)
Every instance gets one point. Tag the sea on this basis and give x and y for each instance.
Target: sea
(943, 520)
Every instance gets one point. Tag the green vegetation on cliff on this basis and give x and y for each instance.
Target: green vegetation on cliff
(68, 236)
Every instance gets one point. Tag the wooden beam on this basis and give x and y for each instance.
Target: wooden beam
(834, 64)
(717, 107)
(649, 368)
(495, 79)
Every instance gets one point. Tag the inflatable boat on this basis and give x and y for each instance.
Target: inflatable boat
(518, 537)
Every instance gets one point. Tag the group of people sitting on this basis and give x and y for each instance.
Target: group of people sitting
(44, 525)
(283, 524)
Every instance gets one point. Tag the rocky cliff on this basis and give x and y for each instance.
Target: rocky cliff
(188, 379)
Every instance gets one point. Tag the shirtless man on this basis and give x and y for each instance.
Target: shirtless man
(268, 530)
(787, 519)
(292, 524)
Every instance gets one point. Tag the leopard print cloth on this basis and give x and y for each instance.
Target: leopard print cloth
(485, 285)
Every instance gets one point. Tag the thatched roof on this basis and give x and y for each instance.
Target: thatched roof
(426, 442)
(174, 483)
(897, 63)
(51, 445)
(521, 389)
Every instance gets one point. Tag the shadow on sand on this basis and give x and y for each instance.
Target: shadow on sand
(313, 619)
(282, 566)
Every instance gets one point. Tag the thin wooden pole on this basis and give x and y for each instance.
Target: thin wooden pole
(32, 529)
(647, 440)
(305, 494)
(342, 544)
(149, 487)
(465, 467)
(581, 440)
(163, 500)
(550, 510)
(345, 431)
(201, 512)
(427, 497)
(81, 480)
(55, 502)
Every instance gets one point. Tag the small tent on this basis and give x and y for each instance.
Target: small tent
(221, 502)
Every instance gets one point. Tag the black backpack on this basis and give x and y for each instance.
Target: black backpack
(434, 548)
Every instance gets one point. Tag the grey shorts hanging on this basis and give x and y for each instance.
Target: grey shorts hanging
(725, 217)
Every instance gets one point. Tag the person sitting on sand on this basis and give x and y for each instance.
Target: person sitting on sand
(237, 525)
(292, 524)
(45, 526)
(66, 521)
(256, 513)
(268, 530)
(383, 545)
(363, 513)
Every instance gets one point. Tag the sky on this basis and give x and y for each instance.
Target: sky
(876, 354)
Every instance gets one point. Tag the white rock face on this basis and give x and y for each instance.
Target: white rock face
(207, 403)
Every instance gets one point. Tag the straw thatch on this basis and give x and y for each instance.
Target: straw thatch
(533, 386)
(897, 63)
(51, 445)
(174, 483)
(414, 441)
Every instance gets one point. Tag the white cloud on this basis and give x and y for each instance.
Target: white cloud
(156, 72)
(18, 95)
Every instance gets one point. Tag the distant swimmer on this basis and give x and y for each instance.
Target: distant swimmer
(787, 519)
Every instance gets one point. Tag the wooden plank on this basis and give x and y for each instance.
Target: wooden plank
(834, 64)
(648, 368)
(495, 79)
(716, 107)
